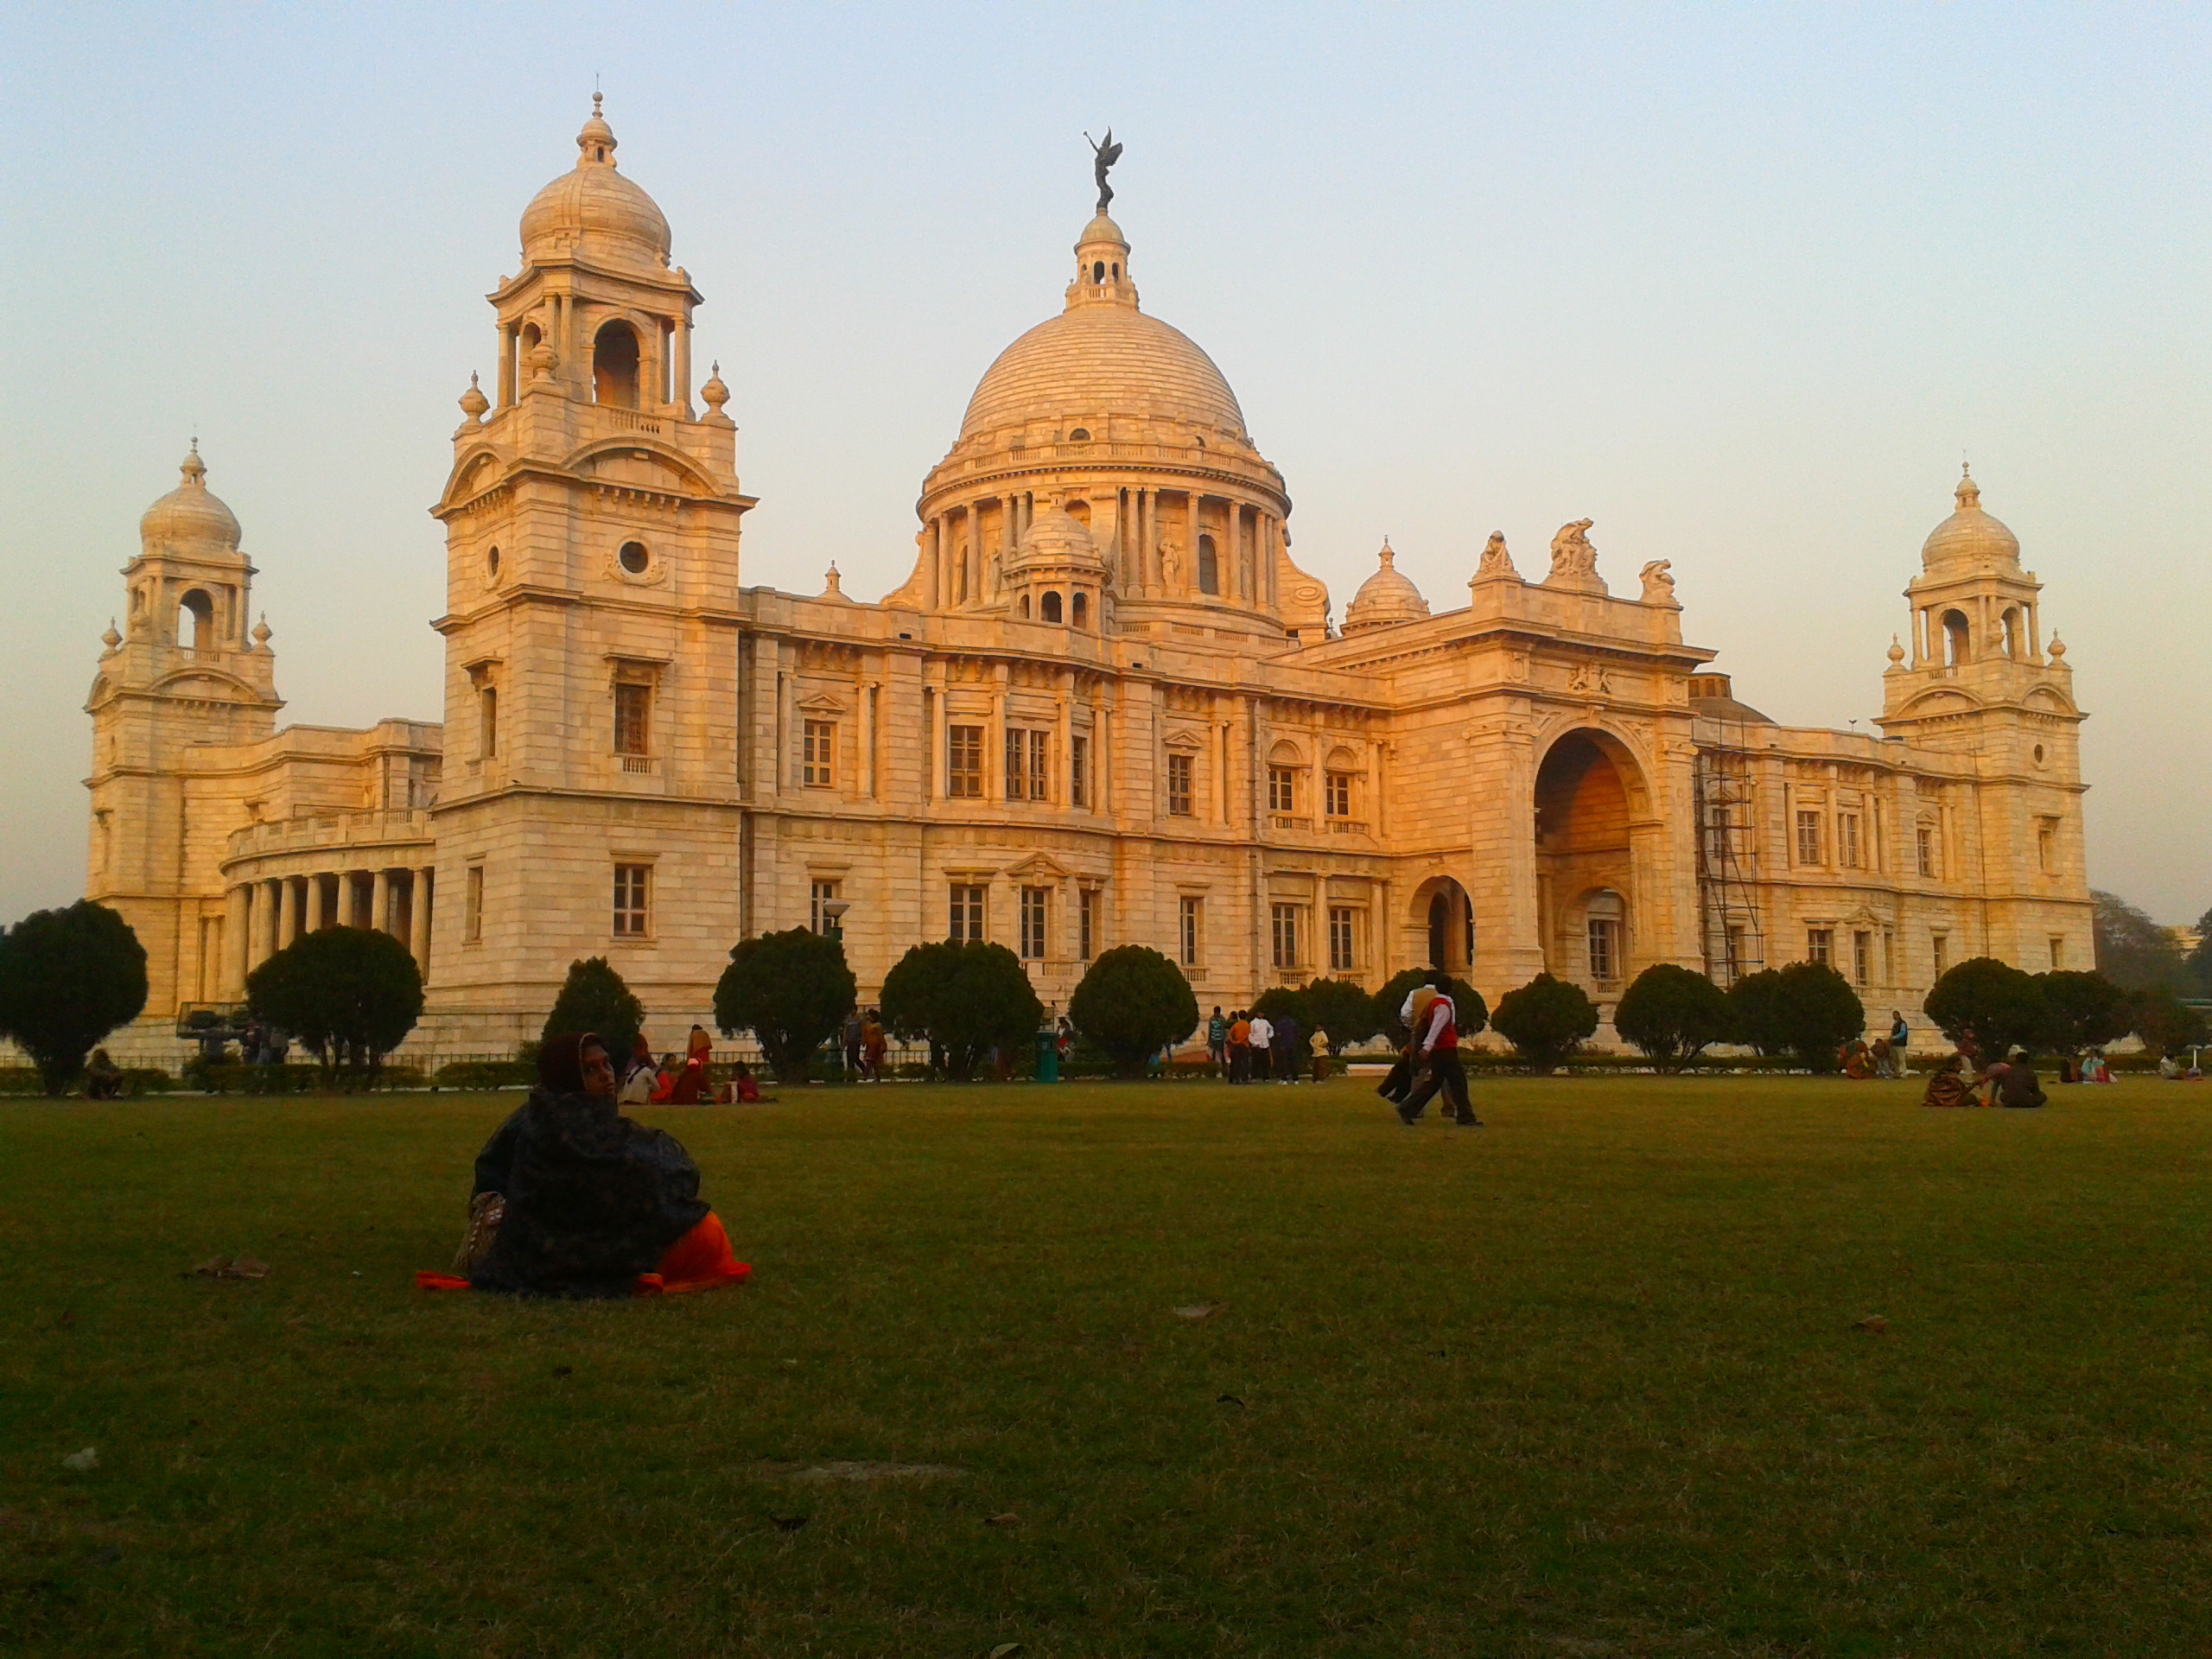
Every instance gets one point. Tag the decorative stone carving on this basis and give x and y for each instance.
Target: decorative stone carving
(1591, 679)
(1574, 561)
(1658, 586)
(1496, 561)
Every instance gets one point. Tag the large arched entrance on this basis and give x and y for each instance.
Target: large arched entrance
(1588, 791)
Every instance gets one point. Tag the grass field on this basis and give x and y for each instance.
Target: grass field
(1587, 1381)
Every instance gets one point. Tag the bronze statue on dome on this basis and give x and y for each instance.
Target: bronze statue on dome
(1105, 155)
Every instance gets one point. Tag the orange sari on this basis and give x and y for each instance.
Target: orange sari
(701, 1260)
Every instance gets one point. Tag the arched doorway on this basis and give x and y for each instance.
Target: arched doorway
(1588, 791)
(1443, 906)
(614, 366)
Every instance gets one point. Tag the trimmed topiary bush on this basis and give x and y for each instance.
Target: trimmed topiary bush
(67, 978)
(1673, 1014)
(1806, 1009)
(967, 998)
(593, 998)
(2004, 1005)
(348, 994)
(1545, 1021)
(1133, 1003)
(791, 990)
(1346, 1011)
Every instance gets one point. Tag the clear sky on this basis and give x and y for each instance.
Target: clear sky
(1740, 284)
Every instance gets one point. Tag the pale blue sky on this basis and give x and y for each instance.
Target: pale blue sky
(1740, 284)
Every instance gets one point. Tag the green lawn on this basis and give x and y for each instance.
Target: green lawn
(1587, 1381)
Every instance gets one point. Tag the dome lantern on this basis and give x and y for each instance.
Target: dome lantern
(1969, 535)
(595, 207)
(1386, 596)
(190, 516)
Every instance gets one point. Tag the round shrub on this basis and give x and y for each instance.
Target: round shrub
(2004, 1005)
(1545, 1021)
(350, 995)
(67, 978)
(1672, 1014)
(1133, 1003)
(791, 990)
(967, 998)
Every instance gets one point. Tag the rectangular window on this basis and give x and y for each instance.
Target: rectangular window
(1193, 928)
(630, 898)
(1028, 766)
(1285, 936)
(488, 729)
(1862, 958)
(1017, 766)
(1847, 840)
(2057, 952)
(1820, 945)
(1340, 938)
(1943, 943)
(821, 742)
(967, 924)
(1808, 837)
(472, 909)
(1283, 789)
(1086, 914)
(633, 710)
(1179, 786)
(1033, 900)
(1339, 794)
(1078, 770)
(1924, 839)
(1604, 948)
(964, 762)
(823, 893)
(1731, 961)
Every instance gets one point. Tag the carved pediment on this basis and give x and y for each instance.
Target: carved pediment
(822, 703)
(645, 465)
(1040, 866)
(1186, 742)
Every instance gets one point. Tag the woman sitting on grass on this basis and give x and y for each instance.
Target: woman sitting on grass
(1946, 1087)
(574, 1199)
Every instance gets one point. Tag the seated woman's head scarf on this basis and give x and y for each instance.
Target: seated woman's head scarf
(701, 1045)
(561, 1061)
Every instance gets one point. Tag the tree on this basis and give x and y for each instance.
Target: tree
(1279, 1001)
(1344, 1010)
(351, 994)
(593, 998)
(967, 998)
(2004, 1005)
(2134, 951)
(1807, 1010)
(791, 990)
(67, 978)
(2164, 1023)
(1673, 1014)
(1132, 1002)
(1467, 1001)
(2086, 1010)
(1545, 1021)
(2200, 959)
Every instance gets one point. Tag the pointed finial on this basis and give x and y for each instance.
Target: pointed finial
(2056, 648)
(1969, 492)
(194, 469)
(1896, 650)
(474, 402)
(261, 631)
(1388, 559)
(110, 639)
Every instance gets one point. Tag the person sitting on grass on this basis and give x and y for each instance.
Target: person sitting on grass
(573, 1200)
(1946, 1086)
(103, 1079)
(2013, 1083)
(690, 1086)
(1857, 1060)
(2094, 1069)
(639, 1075)
(743, 1089)
(664, 1082)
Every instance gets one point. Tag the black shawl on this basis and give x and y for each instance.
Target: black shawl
(592, 1198)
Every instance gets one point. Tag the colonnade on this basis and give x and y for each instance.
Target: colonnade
(267, 914)
(956, 563)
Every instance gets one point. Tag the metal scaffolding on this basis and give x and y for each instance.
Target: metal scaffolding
(1728, 863)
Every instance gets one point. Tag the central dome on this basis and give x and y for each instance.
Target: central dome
(190, 515)
(593, 207)
(1096, 360)
(1969, 534)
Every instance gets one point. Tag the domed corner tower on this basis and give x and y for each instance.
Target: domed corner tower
(1979, 682)
(590, 794)
(1122, 423)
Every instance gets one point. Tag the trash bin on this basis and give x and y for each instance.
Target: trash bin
(1048, 1056)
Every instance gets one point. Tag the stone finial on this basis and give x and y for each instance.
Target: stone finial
(1896, 652)
(474, 402)
(1969, 492)
(831, 579)
(195, 470)
(2056, 649)
(715, 394)
(261, 633)
(110, 639)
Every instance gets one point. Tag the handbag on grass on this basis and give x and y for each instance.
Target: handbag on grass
(485, 1212)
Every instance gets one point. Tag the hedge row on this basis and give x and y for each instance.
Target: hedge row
(136, 1080)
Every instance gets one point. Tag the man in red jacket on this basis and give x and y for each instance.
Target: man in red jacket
(1435, 1049)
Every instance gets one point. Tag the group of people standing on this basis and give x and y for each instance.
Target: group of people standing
(866, 1044)
(1249, 1047)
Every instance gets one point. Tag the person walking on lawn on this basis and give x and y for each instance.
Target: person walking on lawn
(1436, 1048)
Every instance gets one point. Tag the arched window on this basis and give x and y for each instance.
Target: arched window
(1957, 639)
(1098, 270)
(1079, 610)
(614, 366)
(1209, 567)
(1081, 434)
(1607, 918)
(2011, 620)
(1024, 604)
(1048, 608)
(1117, 270)
(195, 618)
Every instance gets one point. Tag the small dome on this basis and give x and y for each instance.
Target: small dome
(593, 208)
(1969, 535)
(1385, 597)
(1102, 229)
(190, 514)
(1056, 538)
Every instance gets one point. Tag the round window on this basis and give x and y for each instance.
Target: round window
(491, 564)
(2039, 754)
(634, 557)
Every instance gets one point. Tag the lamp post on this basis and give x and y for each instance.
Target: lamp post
(833, 929)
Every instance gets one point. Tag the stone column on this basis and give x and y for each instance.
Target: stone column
(994, 739)
(1148, 539)
(975, 556)
(1062, 791)
(867, 739)
(314, 922)
(932, 563)
(684, 363)
(288, 926)
(265, 921)
(940, 742)
(238, 916)
(418, 919)
(380, 901)
(507, 392)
